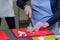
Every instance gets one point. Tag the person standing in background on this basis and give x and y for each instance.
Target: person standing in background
(7, 12)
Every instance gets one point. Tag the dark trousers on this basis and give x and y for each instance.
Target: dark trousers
(10, 21)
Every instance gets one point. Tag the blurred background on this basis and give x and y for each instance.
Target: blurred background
(21, 20)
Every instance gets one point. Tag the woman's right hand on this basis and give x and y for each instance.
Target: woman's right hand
(28, 10)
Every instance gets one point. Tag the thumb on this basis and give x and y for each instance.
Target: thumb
(27, 13)
(30, 15)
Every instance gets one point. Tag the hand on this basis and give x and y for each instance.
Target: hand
(28, 10)
(58, 37)
(39, 25)
(30, 29)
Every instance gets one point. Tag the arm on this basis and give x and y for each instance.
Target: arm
(21, 3)
(51, 21)
(56, 16)
(54, 19)
(25, 4)
(28, 9)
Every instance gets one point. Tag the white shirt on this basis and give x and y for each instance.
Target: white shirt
(6, 8)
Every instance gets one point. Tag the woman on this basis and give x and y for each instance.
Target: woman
(54, 18)
(7, 12)
(55, 7)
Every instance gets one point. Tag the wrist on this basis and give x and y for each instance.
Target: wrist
(26, 6)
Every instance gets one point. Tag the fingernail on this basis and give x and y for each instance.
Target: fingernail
(36, 30)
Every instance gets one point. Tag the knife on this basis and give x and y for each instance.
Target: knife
(31, 22)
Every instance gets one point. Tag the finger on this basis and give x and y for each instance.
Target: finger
(58, 36)
(37, 28)
(27, 13)
(30, 13)
(29, 29)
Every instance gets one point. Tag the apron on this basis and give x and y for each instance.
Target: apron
(6, 8)
(41, 12)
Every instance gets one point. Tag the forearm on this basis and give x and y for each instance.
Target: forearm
(21, 3)
(54, 18)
